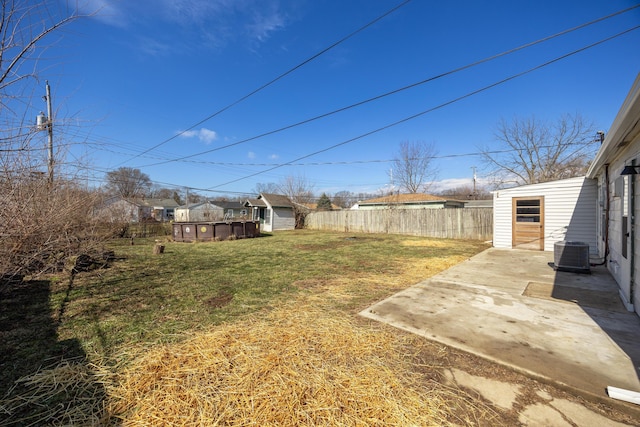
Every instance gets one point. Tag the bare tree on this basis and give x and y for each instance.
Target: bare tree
(300, 192)
(269, 187)
(158, 192)
(128, 182)
(531, 150)
(413, 169)
(43, 223)
(27, 29)
(466, 192)
(297, 188)
(345, 199)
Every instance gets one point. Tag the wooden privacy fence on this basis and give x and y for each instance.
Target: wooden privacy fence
(467, 223)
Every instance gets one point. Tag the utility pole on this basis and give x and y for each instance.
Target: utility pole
(475, 193)
(187, 202)
(50, 131)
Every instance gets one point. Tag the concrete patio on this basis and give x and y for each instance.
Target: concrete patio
(512, 307)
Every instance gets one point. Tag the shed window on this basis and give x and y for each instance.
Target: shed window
(528, 210)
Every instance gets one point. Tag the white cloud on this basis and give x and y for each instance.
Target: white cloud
(107, 11)
(251, 155)
(207, 136)
(213, 23)
(265, 22)
(274, 157)
(188, 133)
(154, 47)
(204, 135)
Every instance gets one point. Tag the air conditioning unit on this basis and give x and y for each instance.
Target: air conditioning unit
(571, 256)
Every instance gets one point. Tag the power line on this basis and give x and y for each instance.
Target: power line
(286, 73)
(393, 92)
(356, 162)
(414, 116)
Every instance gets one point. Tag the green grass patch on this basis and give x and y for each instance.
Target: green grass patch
(64, 340)
(142, 299)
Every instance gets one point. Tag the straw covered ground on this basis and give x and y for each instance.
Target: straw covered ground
(293, 367)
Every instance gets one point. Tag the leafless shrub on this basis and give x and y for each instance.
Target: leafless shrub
(43, 225)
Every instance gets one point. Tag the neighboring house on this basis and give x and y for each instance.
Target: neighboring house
(138, 210)
(210, 211)
(479, 204)
(232, 210)
(615, 169)
(537, 216)
(199, 212)
(274, 211)
(409, 201)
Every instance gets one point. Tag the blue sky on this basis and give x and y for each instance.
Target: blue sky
(127, 81)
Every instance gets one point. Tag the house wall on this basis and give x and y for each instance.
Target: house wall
(619, 191)
(120, 211)
(569, 212)
(201, 213)
(181, 214)
(163, 214)
(282, 219)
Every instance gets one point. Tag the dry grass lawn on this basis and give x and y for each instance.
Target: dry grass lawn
(248, 343)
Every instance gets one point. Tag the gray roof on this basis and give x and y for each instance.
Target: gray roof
(277, 200)
(228, 205)
(479, 204)
(255, 202)
(197, 205)
(165, 203)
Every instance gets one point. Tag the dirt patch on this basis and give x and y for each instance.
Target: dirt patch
(220, 300)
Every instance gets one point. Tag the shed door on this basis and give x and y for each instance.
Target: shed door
(528, 223)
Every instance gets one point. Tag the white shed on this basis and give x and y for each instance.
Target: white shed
(537, 216)
(274, 211)
(199, 212)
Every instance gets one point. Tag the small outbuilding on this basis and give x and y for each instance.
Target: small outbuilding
(537, 216)
(120, 209)
(205, 211)
(274, 211)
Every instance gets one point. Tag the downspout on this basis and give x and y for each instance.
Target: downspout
(607, 205)
(606, 214)
(632, 236)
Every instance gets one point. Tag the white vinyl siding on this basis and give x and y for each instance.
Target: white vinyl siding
(619, 194)
(569, 212)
